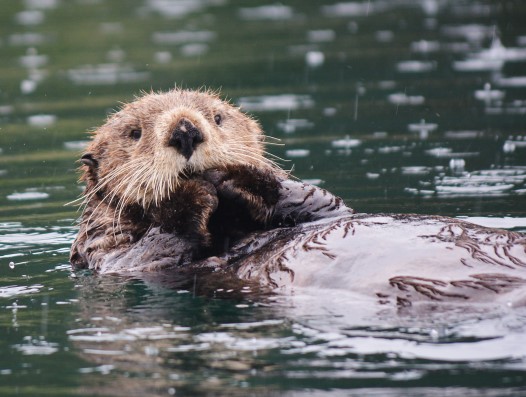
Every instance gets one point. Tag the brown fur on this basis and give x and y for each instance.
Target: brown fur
(165, 161)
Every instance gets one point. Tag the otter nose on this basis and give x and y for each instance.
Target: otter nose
(185, 137)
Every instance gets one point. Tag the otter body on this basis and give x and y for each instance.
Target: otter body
(178, 183)
(395, 259)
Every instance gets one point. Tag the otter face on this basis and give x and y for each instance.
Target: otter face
(144, 151)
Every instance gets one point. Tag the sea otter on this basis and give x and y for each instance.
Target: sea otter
(178, 182)
(179, 176)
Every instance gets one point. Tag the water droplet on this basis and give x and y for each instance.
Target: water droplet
(457, 165)
(509, 147)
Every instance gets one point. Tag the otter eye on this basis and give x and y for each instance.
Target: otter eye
(217, 119)
(135, 134)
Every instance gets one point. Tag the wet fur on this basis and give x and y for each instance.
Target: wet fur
(225, 212)
(140, 188)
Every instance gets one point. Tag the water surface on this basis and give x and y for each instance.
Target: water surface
(397, 106)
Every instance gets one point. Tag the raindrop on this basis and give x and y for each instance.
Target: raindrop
(457, 165)
(422, 128)
(509, 147)
(487, 95)
(314, 59)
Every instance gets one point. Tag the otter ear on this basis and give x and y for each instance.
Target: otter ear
(89, 160)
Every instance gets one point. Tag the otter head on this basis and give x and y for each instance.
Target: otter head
(143, 152)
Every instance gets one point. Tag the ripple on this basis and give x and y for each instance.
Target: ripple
(106, 74)
(28, 39)
(402, 99)
(290, 126)
(285, 102)
(177, 9)
(413, 66)
(76, 145)
(416, 170)
(348, 9)
(27, 196)
(275, 12)
(346, 143)
(21, 237)
(296, 153)
(42, 120)
(37, 347)
(184, 36)
(16, 290)
(445, 152)
(485, 183)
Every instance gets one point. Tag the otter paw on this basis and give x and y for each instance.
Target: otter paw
(257, 190)
(188, 210)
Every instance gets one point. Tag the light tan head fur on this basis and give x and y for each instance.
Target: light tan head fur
(132, 160)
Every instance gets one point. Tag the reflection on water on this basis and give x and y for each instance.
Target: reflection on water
(165, 340)
(397, 106)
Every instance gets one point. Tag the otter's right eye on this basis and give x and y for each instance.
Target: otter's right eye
(135, 134)
(217, 119)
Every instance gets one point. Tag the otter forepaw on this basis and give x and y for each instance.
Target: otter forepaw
(188, 211)
(257, 190)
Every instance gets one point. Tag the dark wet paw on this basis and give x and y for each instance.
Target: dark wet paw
(256, 190)
(188, 211)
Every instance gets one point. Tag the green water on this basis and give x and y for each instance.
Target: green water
(346, 87)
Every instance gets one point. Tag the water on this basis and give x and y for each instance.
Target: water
(406, 106)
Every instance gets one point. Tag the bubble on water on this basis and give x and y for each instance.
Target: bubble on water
(456, 165)
(422, 128)
(28, 86)
(314, 59)
(488, 95)
(508, 147)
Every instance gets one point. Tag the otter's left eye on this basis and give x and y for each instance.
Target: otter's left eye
(217, 119)
(135, 134)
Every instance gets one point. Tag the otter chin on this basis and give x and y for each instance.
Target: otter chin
(177, 183)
